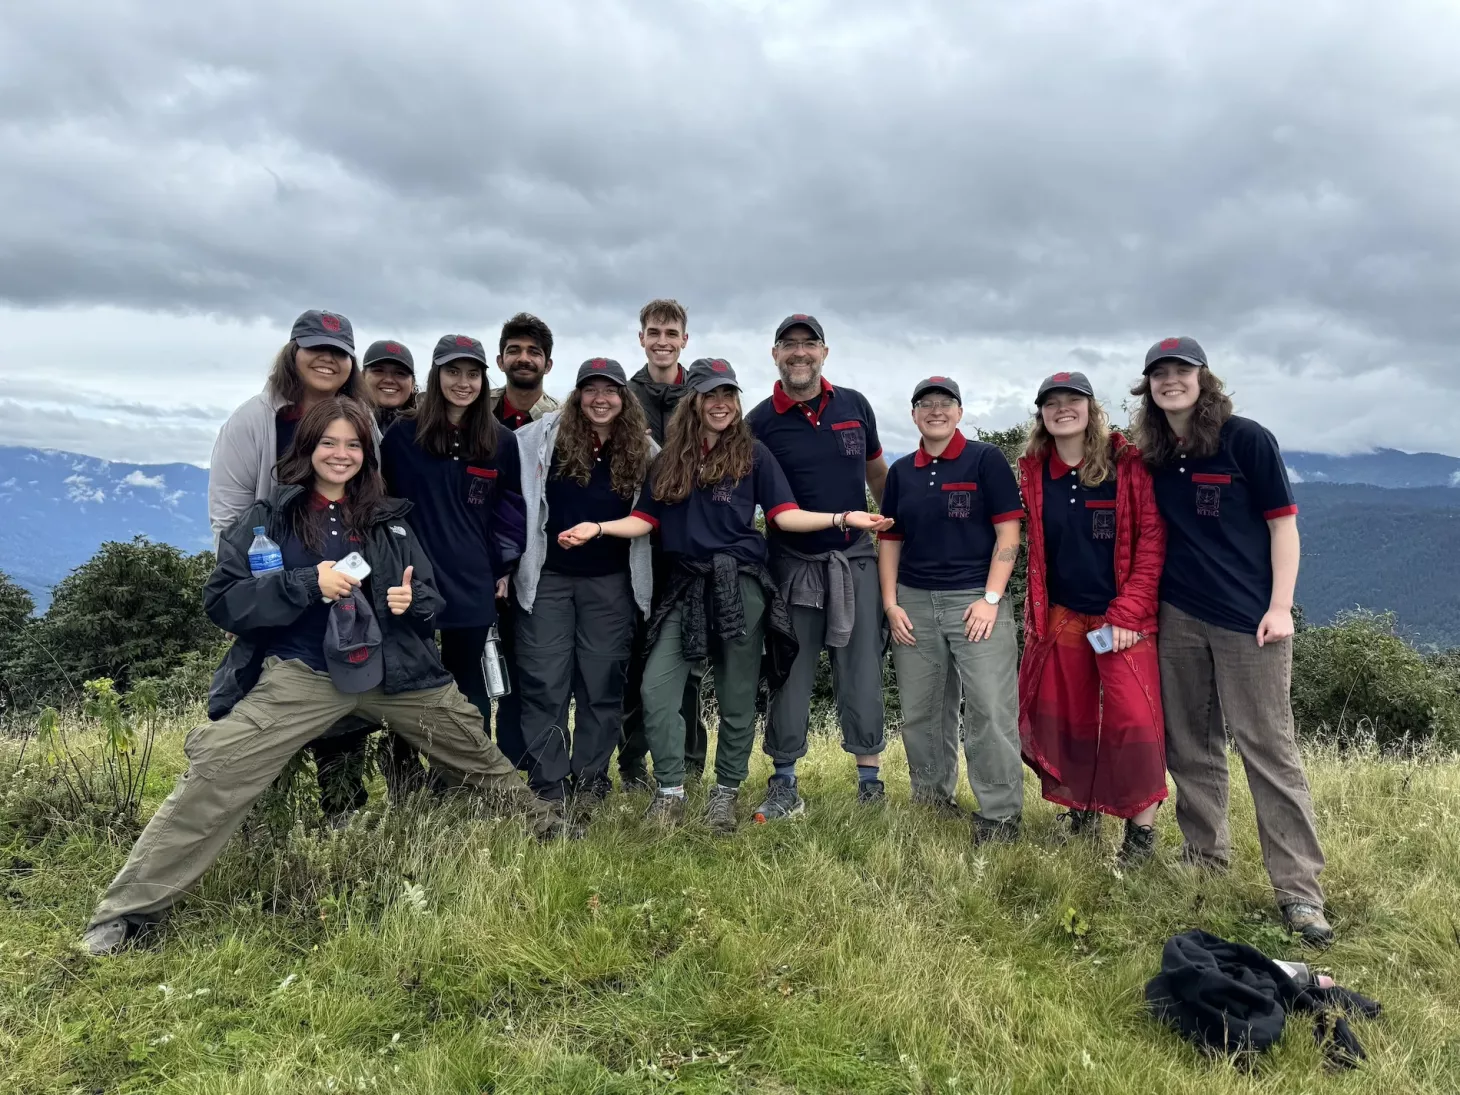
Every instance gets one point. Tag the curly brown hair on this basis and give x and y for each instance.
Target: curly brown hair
(682, 464)
(1099, 462)
(628, 438)
(284, 379)
(363, 493)
(1153, 435)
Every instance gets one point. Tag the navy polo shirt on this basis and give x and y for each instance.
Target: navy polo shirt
(452, 514)
(946, 508)
(823, 447)
(720, 517)
(570, 503)
(1079, 539)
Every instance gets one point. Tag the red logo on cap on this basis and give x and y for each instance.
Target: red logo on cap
(937, 378)
(392, 347)
(464, 342)
(800, 315)
(329, 322)
(1060, 376)
(720, 366)
(598, 363)
(1170, 343)
(355, 657)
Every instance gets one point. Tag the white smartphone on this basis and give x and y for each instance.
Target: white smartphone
(354, 565)
(1102, 639)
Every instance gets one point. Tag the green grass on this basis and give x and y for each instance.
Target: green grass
(432, 950)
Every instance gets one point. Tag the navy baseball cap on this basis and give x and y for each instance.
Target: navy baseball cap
(455, 347)
(938, 384)
(1179, 348)
(385, 350)
(1078, 383)
(605, 367)
(709, 373)
(352, 645)
(800, 319)
(315, 329)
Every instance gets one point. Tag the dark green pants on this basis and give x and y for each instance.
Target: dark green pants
(737, 677)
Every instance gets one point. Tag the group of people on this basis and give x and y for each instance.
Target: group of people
(608, 550)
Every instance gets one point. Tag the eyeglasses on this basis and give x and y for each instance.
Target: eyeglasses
(799, 344)
(934, 405)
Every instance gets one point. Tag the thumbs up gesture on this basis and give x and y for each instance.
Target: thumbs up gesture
(399, 597)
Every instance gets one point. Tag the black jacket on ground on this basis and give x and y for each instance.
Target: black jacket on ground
(251, 606)
(709, 593)
(658, 400)
(1230, 998)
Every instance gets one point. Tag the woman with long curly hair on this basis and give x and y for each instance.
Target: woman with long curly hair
(1227, 624)
(1090, 722)
(333, 644)
(718, 600)
(584, 463)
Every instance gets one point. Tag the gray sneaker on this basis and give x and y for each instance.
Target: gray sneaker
(782, 800)
(720, 808)
(665, 811)
(107, 938)
(1308, 923)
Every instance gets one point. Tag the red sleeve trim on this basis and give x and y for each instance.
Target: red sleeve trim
(1282, 511)
(875, 456)
(772, 514)
(1012, 515)
(889, 536)
(642, 516)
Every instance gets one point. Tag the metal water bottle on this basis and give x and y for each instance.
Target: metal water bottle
(263, 554)
(494, 666)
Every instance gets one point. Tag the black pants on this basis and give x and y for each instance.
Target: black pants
(634, 742)
(461, 654)
(575, 643)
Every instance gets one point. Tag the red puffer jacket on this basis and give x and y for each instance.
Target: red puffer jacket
(1140, 545)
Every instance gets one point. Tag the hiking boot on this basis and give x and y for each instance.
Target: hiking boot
(587, 799)
(998, 832)
(635, 778)
(943, 807)
(1308, 923)
(1198, 861)
(1139, 844)
(871, 792)
(554, 824)
(782, 800)
(1077, 825)
(107, 938)
(720, 808)
(665, 812)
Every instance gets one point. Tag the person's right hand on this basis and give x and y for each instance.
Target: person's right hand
(334, 584)
(902, 628)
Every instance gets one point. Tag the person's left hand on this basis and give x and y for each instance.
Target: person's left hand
(398, 598)
(1276, 625)
(978, 620)
(502, 589)
(1123, 638)
(579, 534)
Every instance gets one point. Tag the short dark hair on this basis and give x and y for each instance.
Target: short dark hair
(527, 325)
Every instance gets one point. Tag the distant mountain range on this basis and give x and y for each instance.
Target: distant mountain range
(1379, 529)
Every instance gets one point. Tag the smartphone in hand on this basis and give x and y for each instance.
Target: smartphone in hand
(1102, 639)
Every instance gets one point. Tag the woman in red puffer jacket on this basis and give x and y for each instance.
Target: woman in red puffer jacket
(1090, 721)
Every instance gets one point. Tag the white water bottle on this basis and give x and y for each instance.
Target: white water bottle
(263, 554)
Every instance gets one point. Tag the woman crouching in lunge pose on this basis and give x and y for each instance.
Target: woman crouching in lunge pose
(333, 646)
(719, 601)
(944, 573)
(585, 463)
(1090, 717)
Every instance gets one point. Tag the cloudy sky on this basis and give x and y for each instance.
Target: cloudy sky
(990, 190)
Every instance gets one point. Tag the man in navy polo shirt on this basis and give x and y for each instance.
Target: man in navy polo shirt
(825, 439)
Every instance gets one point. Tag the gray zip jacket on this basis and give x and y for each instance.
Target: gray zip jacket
(535, 444)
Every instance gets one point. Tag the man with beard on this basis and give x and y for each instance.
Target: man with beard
(525, 356)
(659, 386)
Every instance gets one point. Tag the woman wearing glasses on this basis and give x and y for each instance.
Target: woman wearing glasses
(943, 573)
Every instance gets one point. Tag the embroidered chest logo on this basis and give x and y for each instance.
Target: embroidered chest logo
(960, 504)
(1102, 524)
(723, 491)
(851, 438)
(476, 492)
(1208, 500)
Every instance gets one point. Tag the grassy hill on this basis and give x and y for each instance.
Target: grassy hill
(430, 950)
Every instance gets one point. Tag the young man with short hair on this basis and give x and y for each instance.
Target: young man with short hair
(659, 386)
(525, 356)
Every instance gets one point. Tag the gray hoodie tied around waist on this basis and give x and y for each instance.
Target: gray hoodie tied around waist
(822, 581)
(536, 442)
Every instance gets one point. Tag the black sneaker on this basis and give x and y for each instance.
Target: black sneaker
(720, 808)
(1077, 825)
(871, 792)
(782, 800)
(587, 799)
(1139, 844)
(943, 807)
(997, 832)
(1308, 923)
(635, 778)
(665, 811)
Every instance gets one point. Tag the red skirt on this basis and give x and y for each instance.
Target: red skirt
(1090, 724)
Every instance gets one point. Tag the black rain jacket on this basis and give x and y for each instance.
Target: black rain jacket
(658, 401)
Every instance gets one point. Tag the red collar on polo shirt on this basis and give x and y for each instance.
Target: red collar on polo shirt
(956, 444)
(783, 402)
(318, 501)
(1058, 468)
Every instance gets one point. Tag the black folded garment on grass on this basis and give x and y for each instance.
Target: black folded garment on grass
(1232, 999)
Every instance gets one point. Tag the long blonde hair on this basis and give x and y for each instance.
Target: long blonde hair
(1099, 464)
